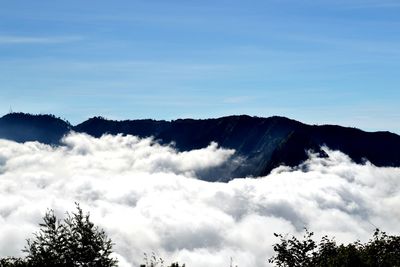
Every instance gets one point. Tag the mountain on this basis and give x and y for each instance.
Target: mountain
(22, 127)
(261, 143)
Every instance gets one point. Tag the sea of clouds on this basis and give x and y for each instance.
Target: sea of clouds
(147, 198)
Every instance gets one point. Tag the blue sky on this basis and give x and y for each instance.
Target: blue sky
(315, 61)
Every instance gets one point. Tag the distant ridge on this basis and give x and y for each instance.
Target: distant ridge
(22, 127)
(264, 143)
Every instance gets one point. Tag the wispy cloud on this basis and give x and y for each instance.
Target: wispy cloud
(375, 4)
(237, 99)
(13, 39)
(355, 4)
(349, 44)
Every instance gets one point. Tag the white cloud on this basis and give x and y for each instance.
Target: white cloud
(147, 199)
(15, 40)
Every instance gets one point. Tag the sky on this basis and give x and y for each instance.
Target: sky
(320, 62)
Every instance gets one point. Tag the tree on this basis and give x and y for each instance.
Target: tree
(293, 252)
(12, 262)
(381, 251)
(73, 242)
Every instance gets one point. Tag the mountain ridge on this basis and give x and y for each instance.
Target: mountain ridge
(263, 143)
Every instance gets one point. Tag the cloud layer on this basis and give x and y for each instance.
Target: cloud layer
(147, 198)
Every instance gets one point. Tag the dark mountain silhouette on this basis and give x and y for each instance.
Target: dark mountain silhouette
(262, 143)
(22, 127)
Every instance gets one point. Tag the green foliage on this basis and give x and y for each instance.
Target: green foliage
(13, 262)
(75, 241)
(381, 251)
(293, 252)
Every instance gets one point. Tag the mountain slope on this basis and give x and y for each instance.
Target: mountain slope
(22, 127)
(263, 143)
